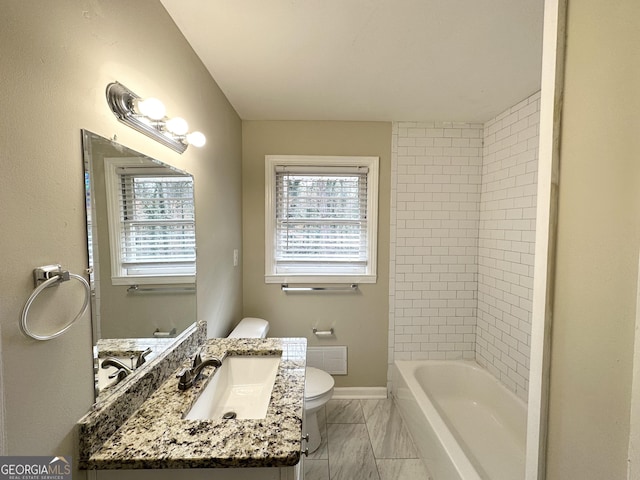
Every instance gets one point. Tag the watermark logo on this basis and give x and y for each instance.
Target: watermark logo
(35, 468)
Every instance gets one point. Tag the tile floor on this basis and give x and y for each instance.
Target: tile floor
(363, 439)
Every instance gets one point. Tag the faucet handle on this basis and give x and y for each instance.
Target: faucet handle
(197, 360)
(141, 358)
(186, 379)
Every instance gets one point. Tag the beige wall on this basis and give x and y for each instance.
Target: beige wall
(598, 238)
(56, 62)
(360, 321)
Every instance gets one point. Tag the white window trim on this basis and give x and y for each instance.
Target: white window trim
(118, 276)
(273, 161)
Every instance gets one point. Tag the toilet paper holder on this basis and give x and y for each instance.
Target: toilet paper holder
(322, 333)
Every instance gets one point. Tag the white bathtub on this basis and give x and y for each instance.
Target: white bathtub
(466, 425)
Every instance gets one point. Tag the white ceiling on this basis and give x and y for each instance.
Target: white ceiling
(458, 60)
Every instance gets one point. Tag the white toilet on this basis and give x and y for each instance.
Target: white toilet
(318, 385)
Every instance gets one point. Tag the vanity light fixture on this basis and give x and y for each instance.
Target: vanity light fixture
(148, 116)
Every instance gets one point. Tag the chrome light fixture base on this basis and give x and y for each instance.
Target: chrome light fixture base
(121, 101)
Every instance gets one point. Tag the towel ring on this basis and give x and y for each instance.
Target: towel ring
(46, 277)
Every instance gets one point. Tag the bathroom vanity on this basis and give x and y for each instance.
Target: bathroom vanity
(156, 439)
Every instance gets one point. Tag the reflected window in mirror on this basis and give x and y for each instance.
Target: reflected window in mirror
(151, 223)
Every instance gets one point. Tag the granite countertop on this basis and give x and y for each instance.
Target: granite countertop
(125, 347)
(114, 347)
(157, 436)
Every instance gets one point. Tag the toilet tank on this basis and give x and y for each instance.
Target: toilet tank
(250, 327)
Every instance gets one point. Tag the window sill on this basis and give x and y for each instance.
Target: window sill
(320, 279)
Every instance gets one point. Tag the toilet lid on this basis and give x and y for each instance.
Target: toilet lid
(317, 382)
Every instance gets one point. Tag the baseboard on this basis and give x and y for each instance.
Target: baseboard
(368, 393)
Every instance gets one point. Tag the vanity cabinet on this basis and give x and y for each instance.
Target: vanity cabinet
(283, 473)
(157, 441)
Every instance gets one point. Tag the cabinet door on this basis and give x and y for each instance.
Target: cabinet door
(293, 473)
(287, 473)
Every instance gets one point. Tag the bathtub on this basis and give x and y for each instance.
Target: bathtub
(465, 424)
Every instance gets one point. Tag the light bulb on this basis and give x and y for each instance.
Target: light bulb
(197, 139)
(150, 107)
(177, 126)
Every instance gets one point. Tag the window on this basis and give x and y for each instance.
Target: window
(151, 224)
(321, 219)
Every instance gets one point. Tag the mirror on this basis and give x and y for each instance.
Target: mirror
(141, 252)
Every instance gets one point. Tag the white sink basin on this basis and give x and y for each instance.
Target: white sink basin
(241, 386)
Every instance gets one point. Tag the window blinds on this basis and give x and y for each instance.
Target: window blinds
(321, 218)
(157, 223)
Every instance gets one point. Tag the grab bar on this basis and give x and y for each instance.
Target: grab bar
(346, 288)
(172, 289)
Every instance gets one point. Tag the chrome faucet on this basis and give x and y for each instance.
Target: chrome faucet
(114, 362)
(189, 376)
(120, 375)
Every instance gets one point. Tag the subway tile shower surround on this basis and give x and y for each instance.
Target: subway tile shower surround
(507, 243)
(462, 241)
(436, 181)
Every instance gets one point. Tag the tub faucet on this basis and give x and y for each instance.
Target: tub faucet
(114, 362)
(189, 376)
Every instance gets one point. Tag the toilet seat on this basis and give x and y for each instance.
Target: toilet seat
(317, 383)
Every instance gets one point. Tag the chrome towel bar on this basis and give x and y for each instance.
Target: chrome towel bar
(168, 289)
(344, 288)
